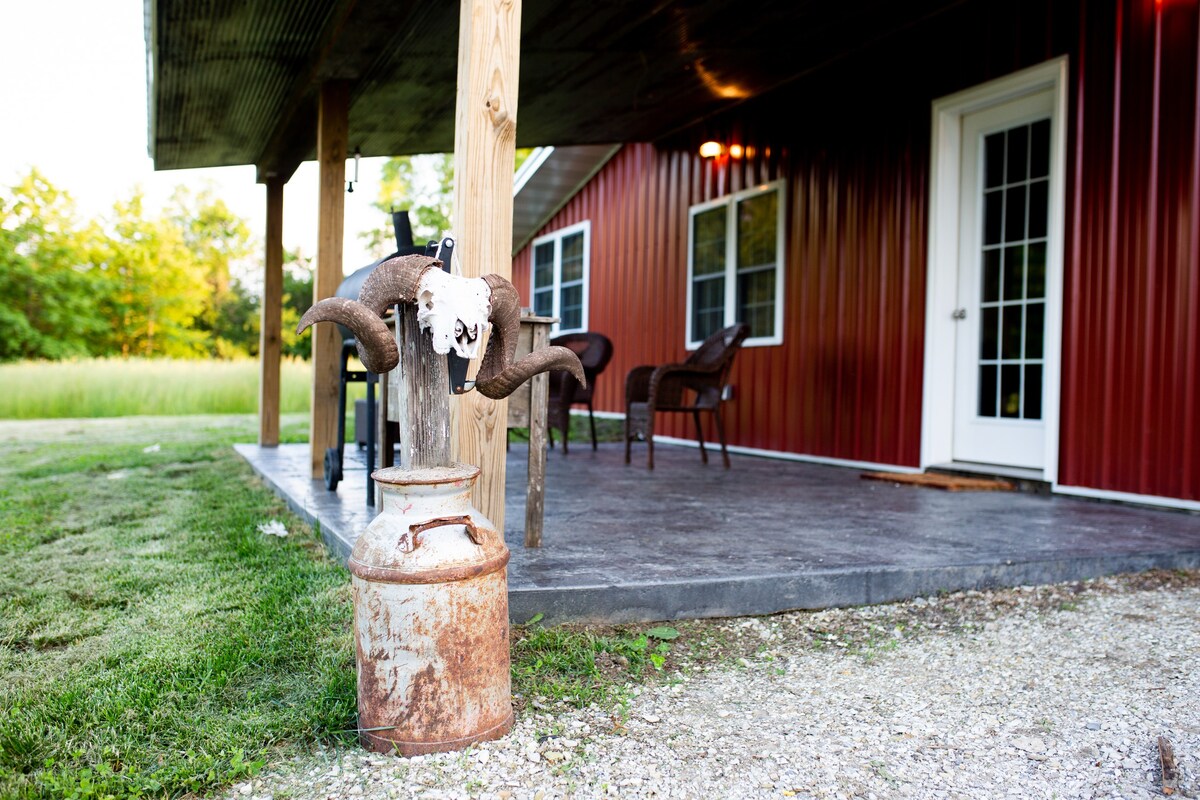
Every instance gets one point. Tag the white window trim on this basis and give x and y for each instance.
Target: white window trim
(730, 201)
(937, 423)
(557, 237)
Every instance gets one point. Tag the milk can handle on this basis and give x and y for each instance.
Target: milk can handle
(438, 522)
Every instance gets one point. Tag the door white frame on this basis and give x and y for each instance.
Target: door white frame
(941, 298)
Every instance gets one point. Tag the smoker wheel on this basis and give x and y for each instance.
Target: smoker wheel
(333, 469)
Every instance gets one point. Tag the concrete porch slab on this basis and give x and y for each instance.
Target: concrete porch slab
(624, 544)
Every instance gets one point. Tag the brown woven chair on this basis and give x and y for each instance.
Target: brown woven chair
(595, 350)
(694, 385)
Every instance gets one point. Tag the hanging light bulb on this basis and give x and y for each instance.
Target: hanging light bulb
(357, 158)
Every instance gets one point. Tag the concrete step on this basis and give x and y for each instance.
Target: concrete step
(1032, 481)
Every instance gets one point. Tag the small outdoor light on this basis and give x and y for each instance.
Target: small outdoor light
(711, 149)
(735, 151)
(350, 183)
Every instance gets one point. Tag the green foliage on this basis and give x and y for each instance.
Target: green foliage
(423, 184)
(161, 647)
(130, 284)
(51, 292)
(297, 298)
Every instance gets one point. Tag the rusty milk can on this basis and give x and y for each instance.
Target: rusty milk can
(430, 616)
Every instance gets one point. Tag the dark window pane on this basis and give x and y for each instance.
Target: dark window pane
(1039, 150)
(987, 390)
(1018, 142)
(708, 307)
(991, 275)
(756, 302)
(572, 258)
(989, 333)
(1033, 391)
(1038, 210)
(543, 303)
(993, 160)
(1014, 272)
(1035, 329)
(1010, 390)
(708, 242)
(757, 219)
(993, 216)
(1014, 213)
(570, 307)
(1010, 332)
(1036, 286)
(543, 264)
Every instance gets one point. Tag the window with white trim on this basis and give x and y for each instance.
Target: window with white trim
(735, 265)
(559, 266)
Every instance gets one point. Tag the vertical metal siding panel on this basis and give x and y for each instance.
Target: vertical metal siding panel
(1130, 327)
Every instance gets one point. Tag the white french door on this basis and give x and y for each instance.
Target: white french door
(1000, 360)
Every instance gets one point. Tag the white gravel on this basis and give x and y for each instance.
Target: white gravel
(1027, 693)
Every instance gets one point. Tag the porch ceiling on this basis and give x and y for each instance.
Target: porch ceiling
(236, 82)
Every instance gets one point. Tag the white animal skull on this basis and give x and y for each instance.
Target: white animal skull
(454, 310)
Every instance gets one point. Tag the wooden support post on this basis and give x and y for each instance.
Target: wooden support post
(332, 135)
(270, 341)
(539, 408)
(421, 396)
(485, 132)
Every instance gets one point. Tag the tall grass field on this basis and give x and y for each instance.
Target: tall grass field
(116, 387)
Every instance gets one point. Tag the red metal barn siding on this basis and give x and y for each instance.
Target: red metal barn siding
(846, 382)
(1131, 380)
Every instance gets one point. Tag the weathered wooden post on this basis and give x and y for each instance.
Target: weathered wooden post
(430, 571)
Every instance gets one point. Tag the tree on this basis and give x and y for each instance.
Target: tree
(423, 184)
(49, 292)
(297, 298)
(158, 285)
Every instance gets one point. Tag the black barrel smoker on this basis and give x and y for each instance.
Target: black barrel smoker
(349, 288)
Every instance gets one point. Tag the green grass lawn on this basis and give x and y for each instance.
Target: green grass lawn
(114, 387)
(154, 643)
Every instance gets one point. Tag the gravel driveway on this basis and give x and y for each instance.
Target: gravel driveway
(1050, 692)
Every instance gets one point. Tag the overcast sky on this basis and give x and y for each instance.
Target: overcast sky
(73, 94)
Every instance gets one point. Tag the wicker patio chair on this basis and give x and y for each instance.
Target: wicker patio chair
(692, 386)
(595, 350)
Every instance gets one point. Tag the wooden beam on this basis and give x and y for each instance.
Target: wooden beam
(270, 340)
(332, 134)
(489, 37)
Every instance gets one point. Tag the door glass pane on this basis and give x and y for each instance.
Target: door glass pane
(1018, 146)
(1037, 271)
(987, 390)
(993, 160)
(1038, 209)
(1039, 149)
(1014, 272)
(1035, 329)
(993, 216)
(991, 275)
(989, 337)
(1033, 391)
(1010, 390)
(1014, 213)
(1010, 335)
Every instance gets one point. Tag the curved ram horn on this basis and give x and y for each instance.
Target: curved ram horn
(498, 376)
(376, 347)
(393, 281)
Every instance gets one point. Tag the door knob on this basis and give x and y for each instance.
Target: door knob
(959, 313)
